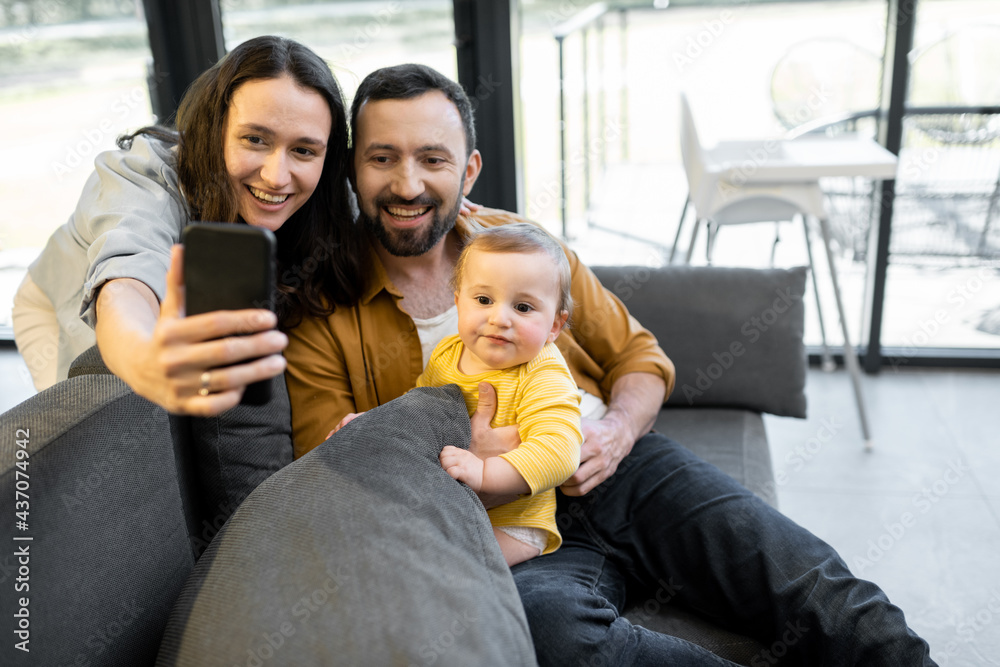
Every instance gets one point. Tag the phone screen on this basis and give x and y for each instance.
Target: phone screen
(229, 267)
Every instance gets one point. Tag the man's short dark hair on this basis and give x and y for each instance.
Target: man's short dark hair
(402, 82)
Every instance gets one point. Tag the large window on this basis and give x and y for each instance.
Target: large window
(769, 69)
(354, 37)
(749, 71)
(72, 78)
(942, 287)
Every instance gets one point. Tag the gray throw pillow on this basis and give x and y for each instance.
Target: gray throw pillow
(362, 552)
(734, 334)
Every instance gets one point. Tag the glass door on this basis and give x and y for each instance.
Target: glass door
(942, 289)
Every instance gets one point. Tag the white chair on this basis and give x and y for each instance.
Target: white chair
(738, 182)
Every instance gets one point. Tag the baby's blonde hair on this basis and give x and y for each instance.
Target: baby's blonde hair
(519, 237)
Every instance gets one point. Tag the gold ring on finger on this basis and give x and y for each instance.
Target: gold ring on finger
(206, 380)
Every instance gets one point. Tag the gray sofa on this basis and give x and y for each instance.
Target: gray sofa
(157, 539)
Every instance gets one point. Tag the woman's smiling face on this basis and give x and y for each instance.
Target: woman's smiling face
(274, 145)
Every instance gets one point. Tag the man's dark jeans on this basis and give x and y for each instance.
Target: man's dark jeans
(668, 516)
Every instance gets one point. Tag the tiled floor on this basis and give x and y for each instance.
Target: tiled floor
(919, 515)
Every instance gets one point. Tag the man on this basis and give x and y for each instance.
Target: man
(641, 508)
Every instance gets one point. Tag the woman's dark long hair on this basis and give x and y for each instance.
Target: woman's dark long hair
(319, 251)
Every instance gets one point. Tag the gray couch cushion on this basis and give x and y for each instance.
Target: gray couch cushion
(732, 440)
(734, 334)
(110, 548)
(364, 551)
(672, 620)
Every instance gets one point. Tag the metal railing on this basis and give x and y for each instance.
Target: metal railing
(590, 18)
(971, 211)
(947, 195)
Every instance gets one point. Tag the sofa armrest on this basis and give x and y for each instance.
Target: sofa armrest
(220, 459)
(734, 334)
(108, 549)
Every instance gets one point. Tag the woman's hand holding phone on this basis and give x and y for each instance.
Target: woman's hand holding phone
(229, 267)
(212, 357)
(177, 362)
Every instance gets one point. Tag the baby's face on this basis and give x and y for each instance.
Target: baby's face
(507, 309)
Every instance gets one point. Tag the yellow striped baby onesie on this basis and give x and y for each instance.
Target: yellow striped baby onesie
(542, 399)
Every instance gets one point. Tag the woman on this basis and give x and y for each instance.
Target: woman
(261, 139)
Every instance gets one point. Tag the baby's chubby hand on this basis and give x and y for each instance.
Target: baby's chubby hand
(343, 422)
(463, 465)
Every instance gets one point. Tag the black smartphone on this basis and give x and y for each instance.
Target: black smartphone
(229, 267)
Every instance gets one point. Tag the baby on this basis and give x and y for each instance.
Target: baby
(512, 294)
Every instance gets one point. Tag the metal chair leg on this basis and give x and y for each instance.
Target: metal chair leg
(828, 364)
(777, 239)
(850, 355)
(680, 226)
(711, 230)
(694, 237)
